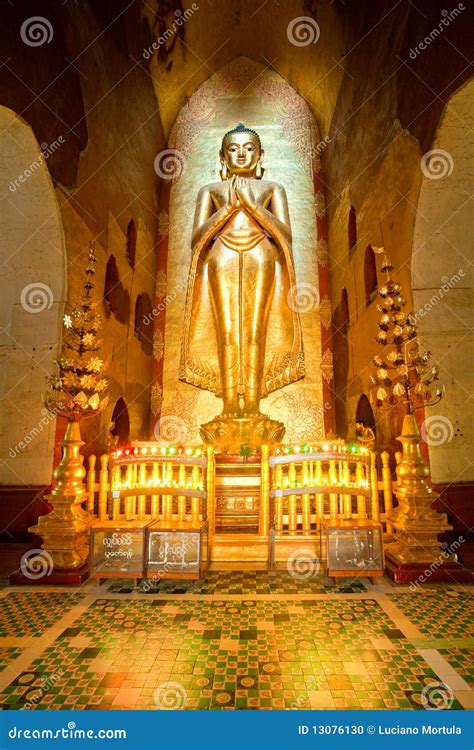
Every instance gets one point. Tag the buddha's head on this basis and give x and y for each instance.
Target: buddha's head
(241, 153)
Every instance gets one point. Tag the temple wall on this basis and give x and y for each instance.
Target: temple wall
(102, 112)
(391, 99)
(443, 288)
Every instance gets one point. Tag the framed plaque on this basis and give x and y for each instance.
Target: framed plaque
(117, 550)
(178, 549)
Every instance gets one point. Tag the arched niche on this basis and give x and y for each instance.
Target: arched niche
(442, 286)
(344, 307)
(120, 423)
(370, 275)
(33, 289)
(116, 297)
(142, 329)
(365, 414)
(340, 338)
(245, 91)
(352, 230)
(131, 250)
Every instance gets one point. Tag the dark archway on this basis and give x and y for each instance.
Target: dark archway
(370, 275)
(131, 243)
(120, 429)
(365, 414)
(340, 339)
(344, 311)
(352, 230)
(116, 297)
(143, 327)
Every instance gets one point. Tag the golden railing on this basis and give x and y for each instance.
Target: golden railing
(320, 481)
(297, 489)
(148, 481)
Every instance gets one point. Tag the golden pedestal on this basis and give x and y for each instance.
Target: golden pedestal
(237, 492)
(229, 434)
(417, 526)
(64, 530)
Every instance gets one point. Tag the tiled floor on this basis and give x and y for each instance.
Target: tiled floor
(245, 582)
(447, 614)
(32, 614)
(7, 655)
(237, 641)
(462, 661)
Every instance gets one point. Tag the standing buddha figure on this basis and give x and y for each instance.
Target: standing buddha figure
(242, 335)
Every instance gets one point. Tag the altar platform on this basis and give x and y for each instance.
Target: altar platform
(259, 508)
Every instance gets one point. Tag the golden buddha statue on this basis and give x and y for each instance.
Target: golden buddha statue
(242, 336)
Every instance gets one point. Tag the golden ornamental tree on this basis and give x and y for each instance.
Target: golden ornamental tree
(76, 390)
(403, 372)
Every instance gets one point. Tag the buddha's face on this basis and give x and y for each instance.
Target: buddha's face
(241, 153)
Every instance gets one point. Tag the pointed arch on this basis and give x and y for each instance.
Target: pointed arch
(33, 290)
(365, 414)
(352, 230)
(267, 102)
(131, 249)
(120, 423)
(370, 275)
(442, 280)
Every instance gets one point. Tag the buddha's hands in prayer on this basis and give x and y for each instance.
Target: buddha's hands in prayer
(232, 204)
(244, 193)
